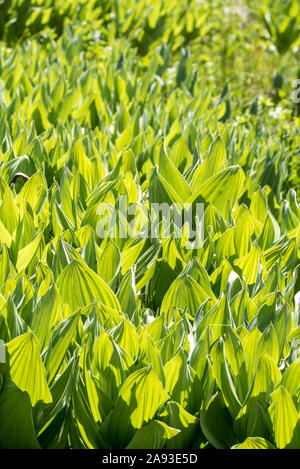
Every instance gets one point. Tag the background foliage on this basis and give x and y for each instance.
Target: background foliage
(145, 343)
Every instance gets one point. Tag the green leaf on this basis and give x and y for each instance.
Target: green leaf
(196, 270)
(227, 184)
(285, 420)
(26, 368)
(4, 265)
(266, 376)
(87, 427)
(217, 424)
(268, 343)
(218, 318)
(183, 293)
(130, 254)
(249, 264)
(269, 233)
(178, 379)
(126, 336)
(109, 263)
(11, 325)
(152, 436)
(9, 213)
(148, 393)
(64, 253)
(160, 191)
(174, 415)
(223, 377)
(59, 343)
(26, 254)
(291, 378)
(127, 293)
(251, 420)
(202, 348)
(17, 428)
(99, 402)
(46, 313)
(175, 179)
(254, 443)
(61, 391)
(235, 355)
(139, 398)
(149, 355)
(242, 233)
(213, 163)
(79, 286)
(259, 205)
(112, 361)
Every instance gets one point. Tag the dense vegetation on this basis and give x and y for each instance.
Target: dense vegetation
(143, 341)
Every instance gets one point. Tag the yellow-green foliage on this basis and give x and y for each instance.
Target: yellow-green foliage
(142, 342)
